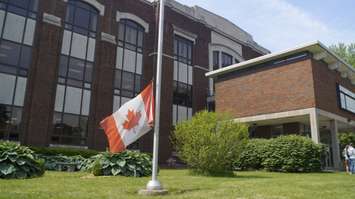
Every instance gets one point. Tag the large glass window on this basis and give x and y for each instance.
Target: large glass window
(17, 29)
(72, 104)
(129, 62)
(227, 59)
(183, 79)
(347, 99)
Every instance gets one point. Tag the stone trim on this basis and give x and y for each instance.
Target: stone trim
(185, 34)
(108, 38)
(95, 4)
(52, 19)
(133, 17)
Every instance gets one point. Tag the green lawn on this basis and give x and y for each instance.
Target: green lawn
(245, 185)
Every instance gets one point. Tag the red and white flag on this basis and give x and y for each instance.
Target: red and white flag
(134, 119)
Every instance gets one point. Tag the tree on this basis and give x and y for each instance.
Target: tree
(346, 52)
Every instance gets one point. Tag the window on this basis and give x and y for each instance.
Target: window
(72, 104)
(183, 79)
(347, 99)
(227, 59)
(215, 60)
(17, 28)
(129, 62)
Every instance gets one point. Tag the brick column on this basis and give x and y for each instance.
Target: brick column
(41, 87)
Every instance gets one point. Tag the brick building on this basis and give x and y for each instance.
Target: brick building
(307, 90)
(66, 64)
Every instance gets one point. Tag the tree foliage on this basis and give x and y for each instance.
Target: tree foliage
(346, 52)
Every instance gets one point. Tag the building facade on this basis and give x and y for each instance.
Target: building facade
(67, 64)
(307, 90)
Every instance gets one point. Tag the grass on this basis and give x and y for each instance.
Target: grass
(245, 185)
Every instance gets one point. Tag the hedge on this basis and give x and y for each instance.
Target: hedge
(54, 151)
(292, 153)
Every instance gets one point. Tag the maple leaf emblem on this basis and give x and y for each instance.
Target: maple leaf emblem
(132, 119)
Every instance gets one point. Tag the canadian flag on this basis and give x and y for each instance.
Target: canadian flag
(134, 119)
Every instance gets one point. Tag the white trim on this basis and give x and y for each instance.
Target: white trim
(185, 34)
(133, 17)
(314, 47)
(52, 19)
(300, 112)
(201, 68)
(95, 4)
(277, 115)
(314, 123)
(108, 38)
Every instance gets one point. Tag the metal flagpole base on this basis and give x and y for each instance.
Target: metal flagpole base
(154, 188)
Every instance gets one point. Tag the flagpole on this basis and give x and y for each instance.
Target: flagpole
(154, 184)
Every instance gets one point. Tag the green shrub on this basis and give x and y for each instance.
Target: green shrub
(253, 155)
(127, 163)
(19, 162)
(210, 142)
(54, 151)
(292, 154)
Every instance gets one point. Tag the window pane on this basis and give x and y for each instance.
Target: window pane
(86, 102)
(82, 18)
(117, 79)
(119, 58)
(116, 103)
(71, 124)
(76, 69)
(14, 27)
(190, 75)
(20, 91)
(2, 16)
(124, 100)
(7, 87)
(139, 63)
(140, 38)
(91, 49)
(226, 59)
(26, 57)
(93, 22)
(66, 42)
(9, 53)
(129, 61)
(131, 35)
(78, 48)
(73, 100)
(59, 98)
(182, 113)
(215, 60)
(121, 31)
(29, 33)
(138, 83)
(88, 72)
(182, 73)
(128, 81)
(63, 63)
(174, 114)
(176, 70)
(69, 14)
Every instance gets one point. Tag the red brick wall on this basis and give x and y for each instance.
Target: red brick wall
(266, 89)
(325, 83)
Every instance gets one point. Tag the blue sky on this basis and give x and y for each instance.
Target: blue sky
(283, 24)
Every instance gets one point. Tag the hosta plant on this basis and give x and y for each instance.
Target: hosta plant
(127, 163)
(19, 162)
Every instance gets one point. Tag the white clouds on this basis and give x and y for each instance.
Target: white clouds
(277, 24)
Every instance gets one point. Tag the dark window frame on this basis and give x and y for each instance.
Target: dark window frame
(346, 97)
(137, 48)
(10, 131)
(67, 81)
(184, 99)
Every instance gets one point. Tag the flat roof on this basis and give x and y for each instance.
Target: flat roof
(319, 51)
